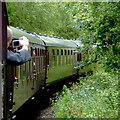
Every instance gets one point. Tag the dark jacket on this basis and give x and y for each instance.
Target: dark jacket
(18, 58)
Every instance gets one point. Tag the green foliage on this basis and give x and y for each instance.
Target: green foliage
(89, 57)
(98, 22)
(47, 18)
(110, 61)
(95, 97)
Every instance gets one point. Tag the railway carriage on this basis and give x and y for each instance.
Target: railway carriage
(61, 58)
(29, 77)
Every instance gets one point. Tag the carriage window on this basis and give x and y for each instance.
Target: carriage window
(58, 58)
(53, 57)
(61, 52)
(71, 52)
(35, 51)
(40, 52)
(53, 51)
(57, 52)
(31, 51)
(65, 52)
(68, 52)
(43, 52)
(47, 57)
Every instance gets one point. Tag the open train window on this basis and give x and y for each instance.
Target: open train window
(35, 51)
(40, 52)
(53, 57)
(47, 57)
(57, 52)
(31, 51)
(65, 52)
(68, 52)
(58, 58)
(71, 52)
(61, 52)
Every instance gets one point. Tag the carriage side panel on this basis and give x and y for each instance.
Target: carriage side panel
(61, 63)
(30, 76)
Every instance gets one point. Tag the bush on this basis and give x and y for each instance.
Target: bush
(95, 97)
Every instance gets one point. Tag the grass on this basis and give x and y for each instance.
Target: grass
(95, 96)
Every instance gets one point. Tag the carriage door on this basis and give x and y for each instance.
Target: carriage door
(1, 112)
(3, 49)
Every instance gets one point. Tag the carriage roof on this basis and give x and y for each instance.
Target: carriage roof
(57, 42)
(42, 40)
(17, 33)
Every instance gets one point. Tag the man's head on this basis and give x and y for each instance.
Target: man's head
(9, 36)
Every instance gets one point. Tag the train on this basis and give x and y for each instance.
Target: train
(52, 60)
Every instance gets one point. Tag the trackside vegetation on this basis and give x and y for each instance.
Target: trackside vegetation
(96, 96)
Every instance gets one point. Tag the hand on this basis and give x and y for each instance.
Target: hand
(24, 42)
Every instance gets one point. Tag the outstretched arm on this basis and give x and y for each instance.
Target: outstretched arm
(18, 58)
